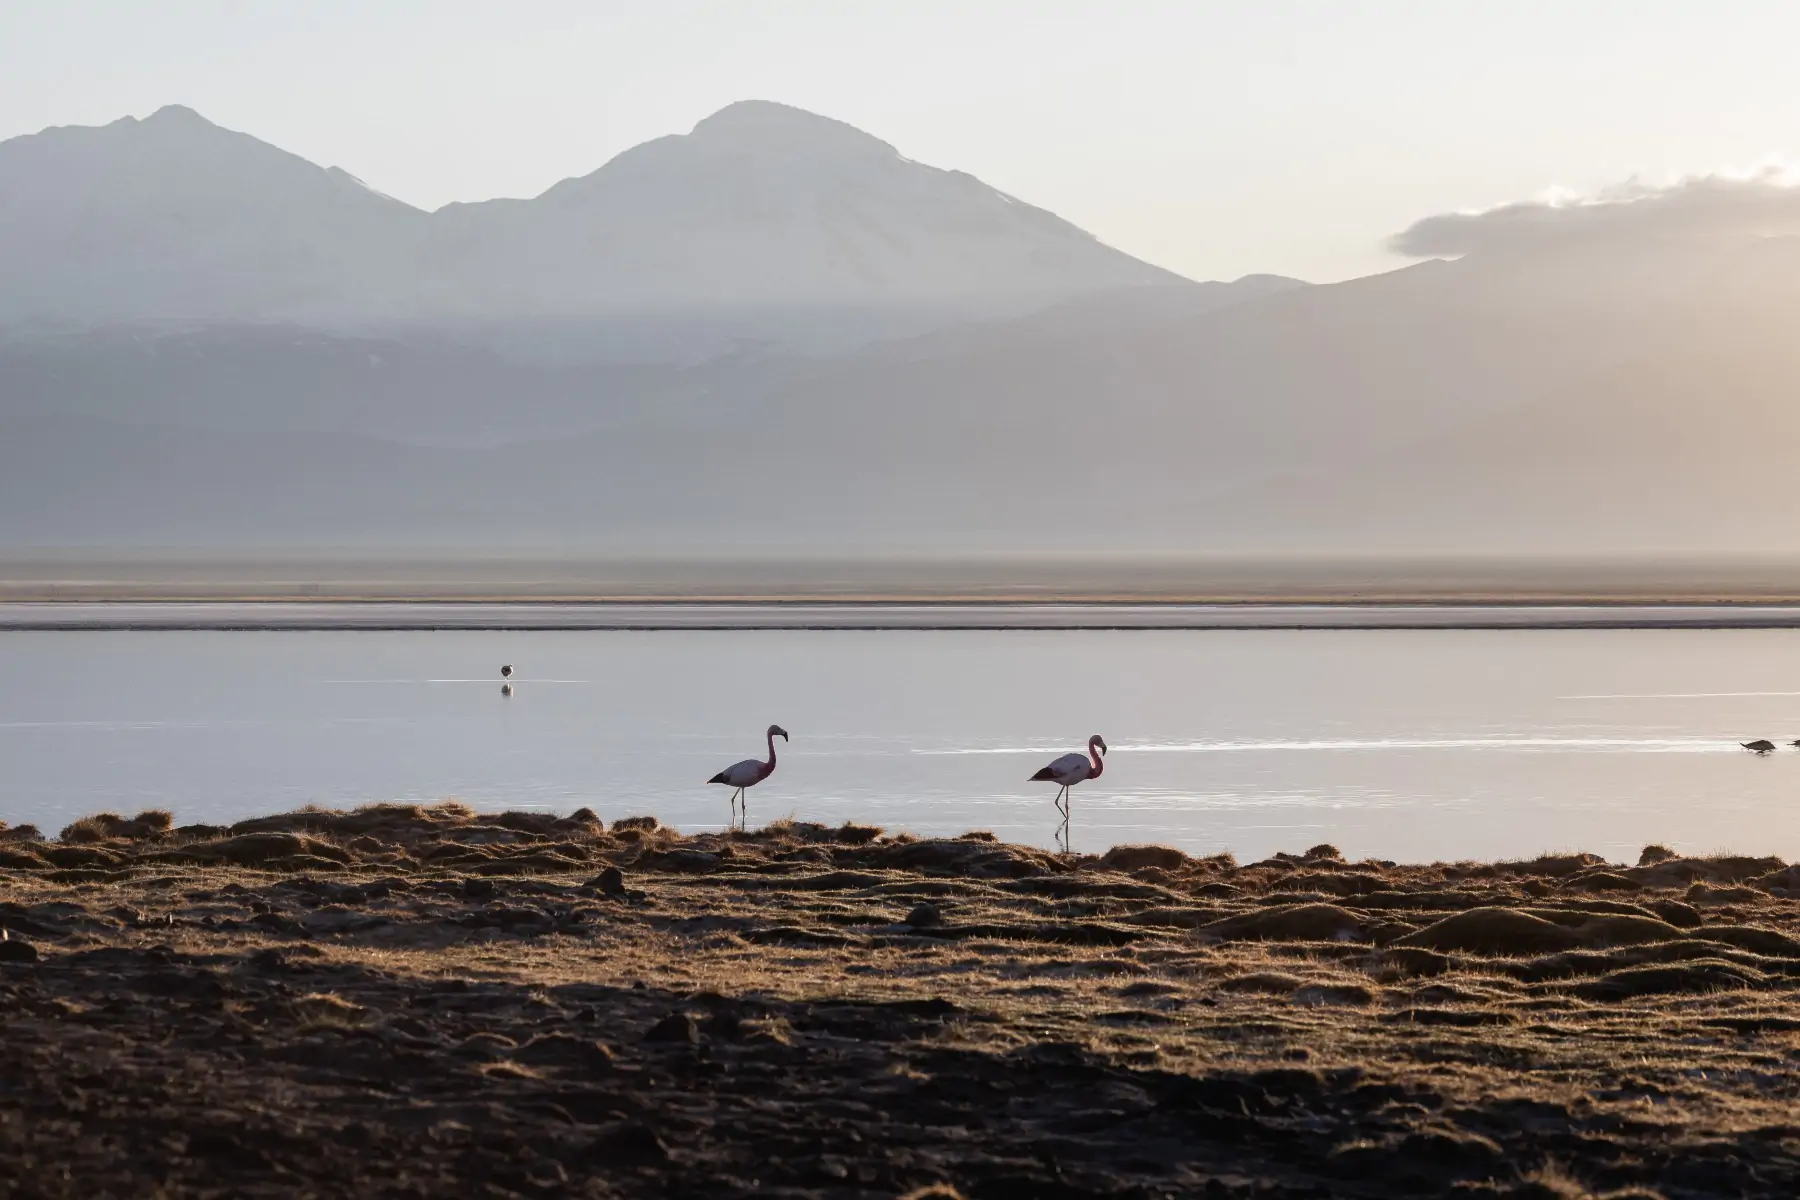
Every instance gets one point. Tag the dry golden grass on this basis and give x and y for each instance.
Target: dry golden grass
(1556, 1027)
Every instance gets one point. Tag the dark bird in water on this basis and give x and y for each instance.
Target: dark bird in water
(1795, 742)
(1760, 745)
(747, 774)
(1070, 770)
(506, 671)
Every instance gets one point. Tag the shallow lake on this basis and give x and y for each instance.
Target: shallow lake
(1403, 744)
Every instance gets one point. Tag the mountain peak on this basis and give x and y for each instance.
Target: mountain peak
(762, 207)
(176, 114)
(767, 123)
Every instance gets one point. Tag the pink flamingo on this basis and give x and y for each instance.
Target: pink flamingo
(748, 774)
(1070, 770)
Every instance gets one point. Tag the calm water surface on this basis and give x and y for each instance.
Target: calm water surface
(1402, 744)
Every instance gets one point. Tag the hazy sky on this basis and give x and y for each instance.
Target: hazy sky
(1213, 138)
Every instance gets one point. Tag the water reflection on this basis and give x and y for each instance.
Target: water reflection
(1398, 744)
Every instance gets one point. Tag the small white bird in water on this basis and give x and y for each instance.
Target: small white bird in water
(747, 774)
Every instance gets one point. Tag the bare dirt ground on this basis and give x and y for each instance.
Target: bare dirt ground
(406, 1001)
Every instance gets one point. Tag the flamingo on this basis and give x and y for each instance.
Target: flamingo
(1070, 770)
(748, 774)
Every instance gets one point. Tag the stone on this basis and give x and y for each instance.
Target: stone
(12, 951)
(924, 916)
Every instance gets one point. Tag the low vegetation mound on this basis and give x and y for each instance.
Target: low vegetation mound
(411, 999)
(1493, 931)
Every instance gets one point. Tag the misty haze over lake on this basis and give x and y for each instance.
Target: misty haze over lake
(776, 334)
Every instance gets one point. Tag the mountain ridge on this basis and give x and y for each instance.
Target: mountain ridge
(760, 206)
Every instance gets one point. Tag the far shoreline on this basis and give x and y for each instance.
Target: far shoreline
(394, 614)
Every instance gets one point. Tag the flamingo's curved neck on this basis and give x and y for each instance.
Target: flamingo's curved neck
(1099, 764)
(770, 765)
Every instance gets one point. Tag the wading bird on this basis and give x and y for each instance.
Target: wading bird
(1070, 770)
(506, 671)
(1760, 745)
(747, 774)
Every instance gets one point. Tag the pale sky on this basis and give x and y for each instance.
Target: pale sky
(1214, 138)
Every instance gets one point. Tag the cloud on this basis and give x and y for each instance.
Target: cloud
(1758, 203)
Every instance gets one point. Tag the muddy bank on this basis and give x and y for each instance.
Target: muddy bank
(413, 1001)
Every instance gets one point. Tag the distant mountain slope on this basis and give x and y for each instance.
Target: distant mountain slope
(469, 386)
(421, 386)
(173, 216)
(1690, 441)
(761, 207)
(1645, 401)
(763, 204)
(1090, 318)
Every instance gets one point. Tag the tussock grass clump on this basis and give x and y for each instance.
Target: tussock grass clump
(108, 827)
(90, 829)
(1500, 931)
(258, 849)
(544, 824)
(390, 819)
(1137, 858)
(327, 1010)
(1288, 923)
(1265, 982)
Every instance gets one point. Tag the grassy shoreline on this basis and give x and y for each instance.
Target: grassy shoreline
(407, 1000)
